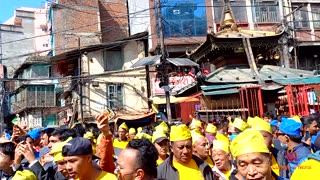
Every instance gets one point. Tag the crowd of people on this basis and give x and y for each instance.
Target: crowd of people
(224, 148)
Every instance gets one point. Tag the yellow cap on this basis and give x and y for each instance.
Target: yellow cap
(240, 124)
(222, 137)
(195, 134)
(296, 118)
(179, 133)
(158, 135)
(142, 135)
(88, 135)
(195, 123)
(162, 125)
(211, 128)
(250, 121)
(57, 150)
(24, 175)
(260, 124)
(139, 129)
(132, 131)
(222, 145)
(248, 141)
(124, 126)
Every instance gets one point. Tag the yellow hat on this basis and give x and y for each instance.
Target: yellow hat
(222, 137)
(222, 145)
(162, 125)
(248, 141)
(195, 134)
(88, 135)
(142, 135)
(260, 124)
(250, 121)
(57, 150)
(139, 129)
(158, 136)
(24, 175)
(296, 118)
(240, 124)
(179, 133)
(195, 123)
(124, 126)
(211, 128)
(132, 131)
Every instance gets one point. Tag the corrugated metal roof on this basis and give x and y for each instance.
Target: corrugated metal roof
(243, 74)
(182, 62)
(309, 80)
(150, 60)
(223, 86)
(220, 92)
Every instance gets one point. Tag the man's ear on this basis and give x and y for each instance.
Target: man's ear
(140, 174)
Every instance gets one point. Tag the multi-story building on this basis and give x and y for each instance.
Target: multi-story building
(186, 22)
(23, 35)
(34, 95)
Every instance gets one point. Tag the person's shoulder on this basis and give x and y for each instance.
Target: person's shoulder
(106, 176)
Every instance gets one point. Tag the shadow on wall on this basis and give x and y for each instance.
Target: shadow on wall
(114, 21)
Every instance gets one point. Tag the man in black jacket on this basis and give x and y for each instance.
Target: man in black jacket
(181, 164)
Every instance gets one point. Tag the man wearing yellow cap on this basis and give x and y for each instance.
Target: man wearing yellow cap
(236, 127)
(211, 132)
(161, 142)
(200, 147)
(252, 156)
(58, 158)
(265, 129)
(181, 164)
(195, 124)
(132, 133)
(222, 159)
(122, 140)
(222, 129)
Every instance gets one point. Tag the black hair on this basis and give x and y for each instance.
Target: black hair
(24, 138)
(147, 155)
(222, 123)
(47, 131)
(267, 114)
(92, 127)
(63, 133)
(296, 139)
(79, 129)
(274, 129)
(307, 121)
(8, 149)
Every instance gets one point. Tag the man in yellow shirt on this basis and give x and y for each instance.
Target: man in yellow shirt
(137, 161)
(181, 164)
(122, 141)
(222, 159)
(78, 156)
(252, 156)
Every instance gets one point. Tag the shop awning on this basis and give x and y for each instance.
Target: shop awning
(182, 62)
(153, 60)
(173, 99)
(150, 60)
(136, 117)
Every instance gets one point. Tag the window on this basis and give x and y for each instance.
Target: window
(265, 11)
(45, 45)
(184, 19)
(316, 15)
(300, 18)
(115, 96)
(238, 8)
(113, 60)
(38, 71)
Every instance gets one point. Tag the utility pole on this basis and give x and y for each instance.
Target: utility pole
(164, 62)
(80, 80)
(285, 38)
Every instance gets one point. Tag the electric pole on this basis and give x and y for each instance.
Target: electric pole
(164, 63)
(80, 80)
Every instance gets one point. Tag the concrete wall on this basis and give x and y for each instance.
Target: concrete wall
(133, 80)
(139, 16)
(13, 52)
(42, 42)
